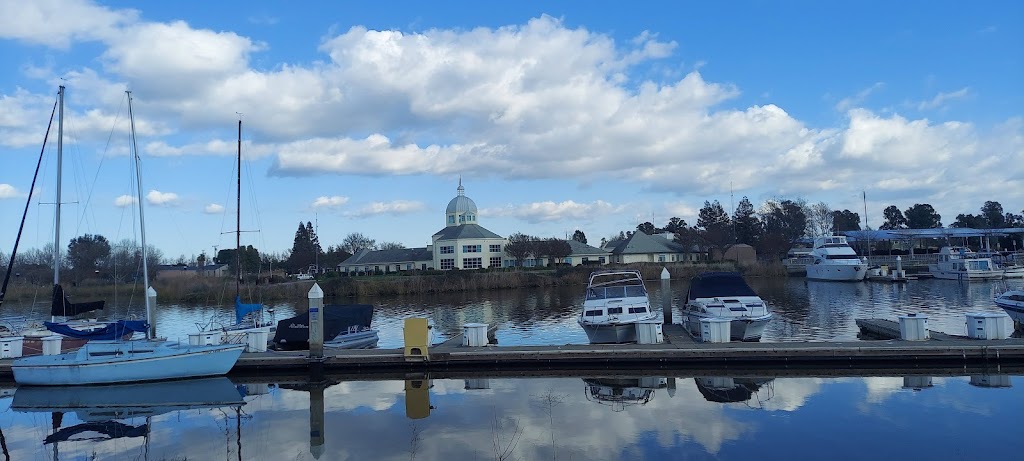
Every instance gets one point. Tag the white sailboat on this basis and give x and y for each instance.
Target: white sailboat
(117, 361)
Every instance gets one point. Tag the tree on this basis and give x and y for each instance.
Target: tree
(557, 249)
(675, 224)
(922, 216)
(334, 256)
(688, 238)
(893, 218)
(969, 221)
(819, 218)
(356, 242)
(713, 225)
(784, 223)
(993, 213)
(845, 220)
(647, 228)
(579, 236)
(87, 254)
(391, 246)
(519, 247)
(305, 249)
(746, 226)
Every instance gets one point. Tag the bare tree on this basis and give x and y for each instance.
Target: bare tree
(355, 242)
(819, 220)
(391, 246)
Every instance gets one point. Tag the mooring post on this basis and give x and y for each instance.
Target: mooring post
(666, 296)
(151, 294)
(316, 322)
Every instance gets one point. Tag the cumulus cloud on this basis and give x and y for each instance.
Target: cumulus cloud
(213, 208)
(8, 191)
(330, 202)
(125, 201)
(396, 207)
(58, 23)
(158, 198)
(552, 211)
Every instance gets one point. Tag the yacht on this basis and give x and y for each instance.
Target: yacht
(833, 259)
(959, 263)
(1013, 303)
(616, 301)
(725, 295)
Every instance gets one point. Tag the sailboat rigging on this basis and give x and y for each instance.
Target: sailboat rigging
(241, 309)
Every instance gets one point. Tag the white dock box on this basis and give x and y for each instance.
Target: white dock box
(474, 334)
(11, 346)
(649, 332)
(256, 339)
(989, 325)
(914, 327)
(714, 330)
(204, 338)
(51, 344)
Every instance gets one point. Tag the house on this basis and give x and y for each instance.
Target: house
(373, 261)
(186, 271)
(642, 248)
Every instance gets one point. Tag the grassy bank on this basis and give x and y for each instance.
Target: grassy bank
(335, 286)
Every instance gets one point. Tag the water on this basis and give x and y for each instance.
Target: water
(546, 418)
(804, 310)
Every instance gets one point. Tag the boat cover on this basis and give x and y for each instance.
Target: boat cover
(111, 429)
(717, 285)
(293, 333)
(62, 306)
(112, 331)
(241, 310)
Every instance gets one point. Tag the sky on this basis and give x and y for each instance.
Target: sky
(363, 116)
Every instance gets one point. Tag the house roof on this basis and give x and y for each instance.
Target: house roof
(465, 231)
(641, 243)
(580, 248)
(388, 256)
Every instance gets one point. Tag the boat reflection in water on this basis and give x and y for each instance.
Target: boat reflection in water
(752, 391)
(619, 392)
(991, 381)
(917, 383)
(108, 412)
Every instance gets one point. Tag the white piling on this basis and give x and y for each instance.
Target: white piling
(316, 323)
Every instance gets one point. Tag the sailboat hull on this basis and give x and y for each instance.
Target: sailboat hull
(105, 362)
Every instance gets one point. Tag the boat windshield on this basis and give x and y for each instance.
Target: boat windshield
(628, 291)
(842, 257)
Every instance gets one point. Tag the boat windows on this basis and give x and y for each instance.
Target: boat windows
(594, 313)
(634, 291)
(637, 310)
(737, 308)
(614, 310)
(843, 257)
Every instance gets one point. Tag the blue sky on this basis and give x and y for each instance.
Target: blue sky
(558, 116)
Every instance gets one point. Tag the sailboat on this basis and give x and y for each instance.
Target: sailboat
(242, 310)
(75, 332)
(125, 361)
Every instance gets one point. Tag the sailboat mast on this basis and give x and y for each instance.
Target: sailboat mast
(56, 214)
(151, 331)
(238, 216)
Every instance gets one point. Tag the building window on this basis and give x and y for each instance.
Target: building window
(471, 248)
(448, 250)
(495, 261)
(661, 258)
(447, 264)
(567, 261)
(408, 267)
(600, 259)
(472, 263)
(451, 220)
(495, 248)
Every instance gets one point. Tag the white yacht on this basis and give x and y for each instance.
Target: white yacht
(616, 301)
(1013, 303)
(725, 295)
(833, 259)
(959, 263)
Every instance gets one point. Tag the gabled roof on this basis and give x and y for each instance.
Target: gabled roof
(641, 243)
(580, 248)
(465, 231)
(388, 256)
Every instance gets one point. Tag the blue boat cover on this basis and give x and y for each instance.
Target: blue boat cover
(241, 310)
(112, 331)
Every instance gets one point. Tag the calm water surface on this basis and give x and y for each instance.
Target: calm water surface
(804, 310)
(578, 418)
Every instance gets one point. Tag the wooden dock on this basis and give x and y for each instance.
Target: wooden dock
(889, 329)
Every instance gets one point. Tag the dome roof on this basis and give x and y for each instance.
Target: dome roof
(461, 204)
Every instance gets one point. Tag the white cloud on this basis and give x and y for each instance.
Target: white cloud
(329, 202)
(552, 211)
(942, 98)
(158, 198)
(213, 208)
(396, 207)
(57, 23)
(8, 191)
(851, 102)
(125, 201)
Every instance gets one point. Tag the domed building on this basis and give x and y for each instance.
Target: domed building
(464, 244)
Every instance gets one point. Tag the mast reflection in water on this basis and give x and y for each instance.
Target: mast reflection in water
(609, 417)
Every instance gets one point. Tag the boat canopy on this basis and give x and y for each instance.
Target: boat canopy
(112, 331)
(62, 306)
(241, 310)
(718, 284)
(293, 333)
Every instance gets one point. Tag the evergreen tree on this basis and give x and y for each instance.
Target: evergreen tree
(922, 216)
(714, 225)
(579, 236)
(746, 225)
(894, 218)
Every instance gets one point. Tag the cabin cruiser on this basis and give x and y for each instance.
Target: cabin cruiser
(833, 259)
(620, 392)
(725, 295)
(346, 326)
(616, 300)
(797, 259)
(959, 263)
(1013, 303)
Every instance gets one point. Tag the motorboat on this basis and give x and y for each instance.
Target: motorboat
(621, 392)
(797, 259)
(1012, 302)
(346, 326)
(960, 263)
(725, 295)
(616, 300)
(730, 390)
(834, 260)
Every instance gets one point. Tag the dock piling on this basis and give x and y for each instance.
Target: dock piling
(666, 296)
(316, 323)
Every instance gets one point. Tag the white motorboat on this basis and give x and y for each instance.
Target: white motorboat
(725, 295)
(1013, 303)
(833, 259)
(959, 263)
(616, 301)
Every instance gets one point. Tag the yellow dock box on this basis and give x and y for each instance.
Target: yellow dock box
(417, 338)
